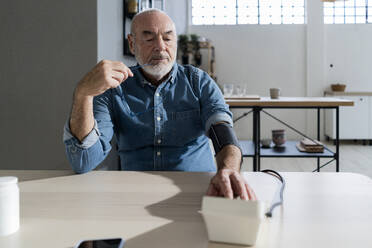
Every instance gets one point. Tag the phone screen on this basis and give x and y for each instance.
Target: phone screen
(102, 243)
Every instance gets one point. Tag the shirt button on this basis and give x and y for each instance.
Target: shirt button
(158, 118)
(158, 153)
(157, 94)
(159, 141)
(73, 149)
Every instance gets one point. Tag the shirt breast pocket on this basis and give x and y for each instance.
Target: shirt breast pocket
(183, 127)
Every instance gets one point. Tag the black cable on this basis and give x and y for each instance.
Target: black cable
(280, 202)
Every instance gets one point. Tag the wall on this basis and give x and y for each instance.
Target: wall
(110, 31)
(178, 10)
(315, 84)
(45, 47)
(349, 49)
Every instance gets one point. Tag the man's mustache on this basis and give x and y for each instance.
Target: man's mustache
(159, 57)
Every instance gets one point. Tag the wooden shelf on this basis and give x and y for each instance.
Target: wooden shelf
(288, 150)
(291, 102)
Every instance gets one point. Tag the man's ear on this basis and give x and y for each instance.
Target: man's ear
(131, 43)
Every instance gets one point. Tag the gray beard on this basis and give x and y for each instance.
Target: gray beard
(158, 71)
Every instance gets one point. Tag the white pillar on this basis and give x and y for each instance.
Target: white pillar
(315, 58)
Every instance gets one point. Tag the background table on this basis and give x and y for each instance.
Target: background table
(253, 149)
(160, 210)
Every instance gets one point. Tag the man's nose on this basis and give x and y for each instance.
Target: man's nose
(160, 44)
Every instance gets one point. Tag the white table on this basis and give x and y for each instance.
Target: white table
(160, 210)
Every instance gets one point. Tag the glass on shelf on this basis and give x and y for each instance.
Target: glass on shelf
(240, 90)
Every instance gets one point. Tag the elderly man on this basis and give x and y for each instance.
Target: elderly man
(162, 113)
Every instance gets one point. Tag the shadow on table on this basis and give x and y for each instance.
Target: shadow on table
(187, 227)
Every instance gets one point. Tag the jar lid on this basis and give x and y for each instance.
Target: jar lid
(4, 181)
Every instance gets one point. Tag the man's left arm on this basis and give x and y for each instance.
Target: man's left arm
(228, 181)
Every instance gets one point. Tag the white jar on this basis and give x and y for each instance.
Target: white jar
(9, 205)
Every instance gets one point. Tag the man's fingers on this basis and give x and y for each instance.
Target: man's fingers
(119, 76)
(115, 66)
(127, 71)
(212, 191)
(121, 67)
(130, 73)
(118, 66)
(113, 83)
(251, 194)
(239, 186)
(225, 187)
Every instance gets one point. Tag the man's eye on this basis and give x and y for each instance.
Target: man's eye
(167, 39)
(149, 39)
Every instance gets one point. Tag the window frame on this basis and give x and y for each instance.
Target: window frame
(191, 16)
(367, 15)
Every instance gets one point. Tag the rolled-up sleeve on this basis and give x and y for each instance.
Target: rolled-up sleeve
(212, 103)
(88, 141)
(218, 117)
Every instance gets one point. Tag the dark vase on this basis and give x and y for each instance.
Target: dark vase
(185, 59)
(198, 59)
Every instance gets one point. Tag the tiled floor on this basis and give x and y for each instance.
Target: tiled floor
(354, 157)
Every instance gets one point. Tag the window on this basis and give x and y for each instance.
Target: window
(232, 12)
(350, 11)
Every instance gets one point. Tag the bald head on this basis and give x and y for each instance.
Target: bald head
(151, 17)
(153, 41)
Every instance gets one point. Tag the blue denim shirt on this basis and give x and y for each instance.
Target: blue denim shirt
(157, 128)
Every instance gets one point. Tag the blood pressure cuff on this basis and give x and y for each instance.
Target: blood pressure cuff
(222, 135)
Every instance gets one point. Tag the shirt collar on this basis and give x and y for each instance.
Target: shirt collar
(171, 77)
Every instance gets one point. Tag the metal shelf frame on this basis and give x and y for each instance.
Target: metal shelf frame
(259, 152)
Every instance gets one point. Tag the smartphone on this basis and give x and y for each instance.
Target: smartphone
(101, 243)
